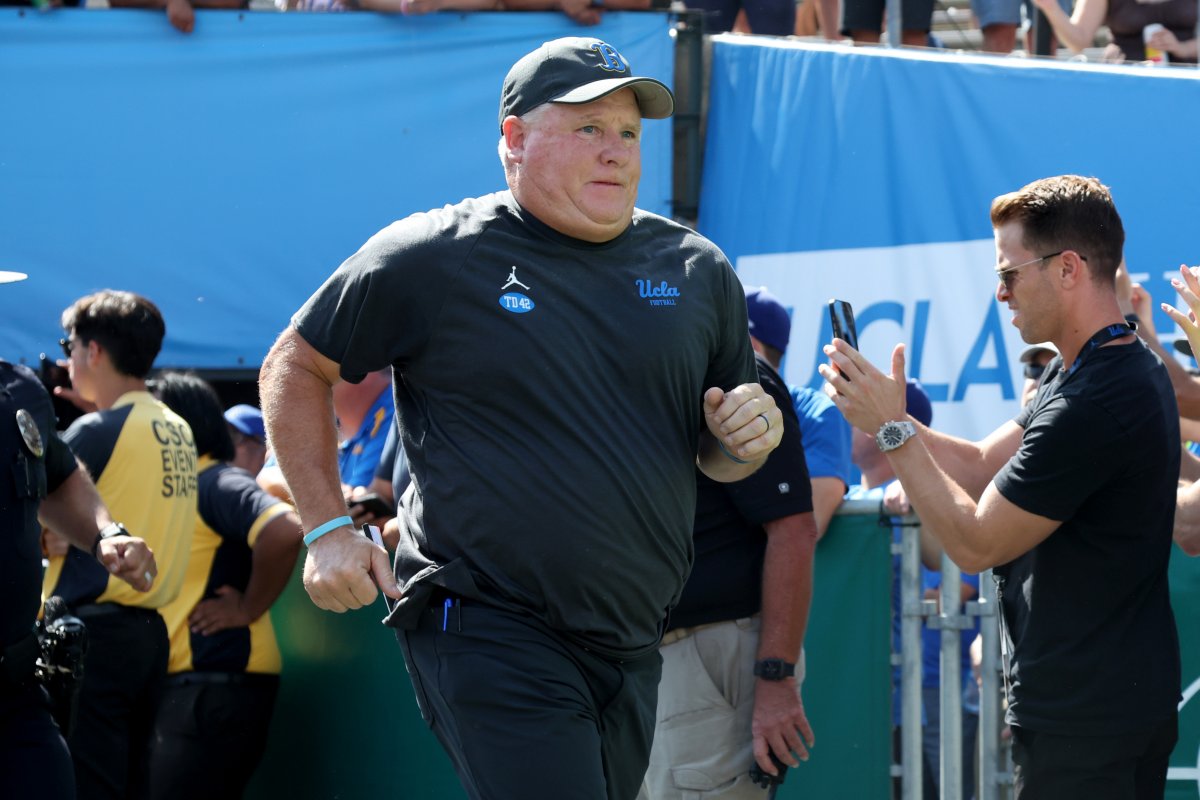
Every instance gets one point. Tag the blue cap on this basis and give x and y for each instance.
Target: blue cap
(248, 420)
(769, 320)
(916, 402)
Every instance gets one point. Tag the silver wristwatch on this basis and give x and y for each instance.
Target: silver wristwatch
(893, 434)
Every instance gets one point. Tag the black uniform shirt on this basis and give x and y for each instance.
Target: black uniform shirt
(25, 478)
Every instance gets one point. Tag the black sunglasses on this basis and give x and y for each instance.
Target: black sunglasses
(65, 344)
(1034, 371)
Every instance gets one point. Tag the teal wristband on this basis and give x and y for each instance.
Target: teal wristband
(333, 524)
(730, 455)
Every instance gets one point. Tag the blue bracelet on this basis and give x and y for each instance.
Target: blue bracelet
(730, 455)
(333, 524)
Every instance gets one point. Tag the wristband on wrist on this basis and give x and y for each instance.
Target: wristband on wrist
(730, 455)
(321, 530)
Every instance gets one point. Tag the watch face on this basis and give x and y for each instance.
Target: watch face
(892, 435)
(773, 669)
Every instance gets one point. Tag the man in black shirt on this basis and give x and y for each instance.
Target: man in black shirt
(732, 658)
(1071, 503)
(563, 361)
(43, 480)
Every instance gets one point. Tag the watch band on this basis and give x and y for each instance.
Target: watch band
(774, 669)
(107, 532)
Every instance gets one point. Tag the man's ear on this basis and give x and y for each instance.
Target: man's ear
(514, 131)
(1074, 269)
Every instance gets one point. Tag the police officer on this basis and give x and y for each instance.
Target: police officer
(42, 478)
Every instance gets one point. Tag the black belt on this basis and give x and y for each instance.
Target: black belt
(220, 679)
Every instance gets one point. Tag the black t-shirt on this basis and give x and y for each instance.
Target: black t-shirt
(26, 478)
(726, 579)
(550, 393)
(1095, 649)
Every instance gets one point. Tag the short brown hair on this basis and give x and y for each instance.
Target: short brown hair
(125, 324)
(1067, 212)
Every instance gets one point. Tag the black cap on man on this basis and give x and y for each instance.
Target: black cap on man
(578, 70)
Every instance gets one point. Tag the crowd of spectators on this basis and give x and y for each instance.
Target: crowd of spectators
(1114, 31)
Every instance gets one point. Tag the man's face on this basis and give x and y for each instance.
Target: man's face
(79, 367)
(1029, 291)
(579, 165)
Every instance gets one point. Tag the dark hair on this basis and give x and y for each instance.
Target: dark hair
(128, 326)
(197, 402)
(1067, 212)
(773, 354)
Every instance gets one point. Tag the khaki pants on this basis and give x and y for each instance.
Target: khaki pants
(702, 740)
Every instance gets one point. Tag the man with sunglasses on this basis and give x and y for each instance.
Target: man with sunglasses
(1034, 360)
(143, 459)
(1071, 503)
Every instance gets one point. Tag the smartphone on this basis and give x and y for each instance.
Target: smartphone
(764, 780)
(841, 315)
(373, 504)
(52, 376)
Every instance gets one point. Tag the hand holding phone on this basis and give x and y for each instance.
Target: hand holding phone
(762, 779)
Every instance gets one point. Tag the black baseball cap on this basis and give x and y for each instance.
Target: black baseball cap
(578, 70)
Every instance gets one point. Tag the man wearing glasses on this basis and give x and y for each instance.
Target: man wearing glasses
(143, 459)
(1034, 360)
(1071, 503)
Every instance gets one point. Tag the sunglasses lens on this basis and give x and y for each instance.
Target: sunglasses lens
(1034, 371)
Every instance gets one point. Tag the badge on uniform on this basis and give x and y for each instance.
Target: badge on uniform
(29, 432)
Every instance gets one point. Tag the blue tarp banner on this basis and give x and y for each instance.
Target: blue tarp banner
(867, 175)
(224, 174)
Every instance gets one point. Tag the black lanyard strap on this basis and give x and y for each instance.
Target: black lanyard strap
(1100, 338)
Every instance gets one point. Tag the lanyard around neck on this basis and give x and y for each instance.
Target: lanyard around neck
(1102, 337)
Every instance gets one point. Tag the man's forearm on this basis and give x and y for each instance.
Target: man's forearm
(827, 495)
(75, 510)
(787, 585)
(972, 464)
(297, 401)
(272, 561)
(945, 508)
(714, 463)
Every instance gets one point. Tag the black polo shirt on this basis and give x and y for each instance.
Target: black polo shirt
(550, 395)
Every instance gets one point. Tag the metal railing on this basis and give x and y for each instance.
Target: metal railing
(993, 766)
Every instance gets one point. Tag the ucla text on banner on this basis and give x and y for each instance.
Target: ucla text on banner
(867, 175)
(226, 173)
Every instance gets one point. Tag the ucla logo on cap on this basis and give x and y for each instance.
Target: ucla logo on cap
(612, 61)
